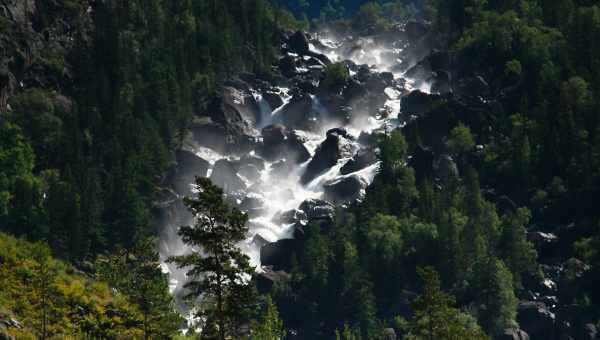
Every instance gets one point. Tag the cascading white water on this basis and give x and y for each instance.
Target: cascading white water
(279, 192)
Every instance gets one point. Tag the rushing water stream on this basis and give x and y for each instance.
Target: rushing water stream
(277, 191)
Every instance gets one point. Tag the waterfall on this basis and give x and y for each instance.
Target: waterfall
(277, 187)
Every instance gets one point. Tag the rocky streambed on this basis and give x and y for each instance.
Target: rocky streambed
(288, 149)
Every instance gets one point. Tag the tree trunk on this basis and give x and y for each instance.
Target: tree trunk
(145, 325)
(220, 316)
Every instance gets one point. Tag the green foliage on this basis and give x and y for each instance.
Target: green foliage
(518, 252)
(495, 296)
(52, 300)
(461, 140)
(336, 76)
(347, 334)
(219, 273)
(128, 67)
(137, 274)
(435, 318)
(369, 15)
(270, 327)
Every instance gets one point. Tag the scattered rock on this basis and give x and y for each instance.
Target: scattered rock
(266, 280)
(440, 82)
(344, 190)
(513, 334)
(590, 332)
(536, 319)
(389, 334)
(290, 217)
(327, 155)
(317, 209)
(545, 243)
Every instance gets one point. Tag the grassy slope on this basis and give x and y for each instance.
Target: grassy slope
(77, 306)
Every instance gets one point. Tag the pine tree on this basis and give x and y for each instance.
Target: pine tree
(137, 274)
(270, 327)
(219, 272)
(44, 291)
(435, 318)
(517, 251)
(495, 297)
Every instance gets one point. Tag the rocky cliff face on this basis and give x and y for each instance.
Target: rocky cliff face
(38, 45)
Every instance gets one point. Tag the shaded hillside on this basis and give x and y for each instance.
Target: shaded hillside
(95, 95)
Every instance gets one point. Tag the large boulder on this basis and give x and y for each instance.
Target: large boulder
(345, 189)
(279, 254)
(440, 82)
(249, 172)
(259, 241)
(269, 278)
(321, 58)
(439, 60)
(227, 123)
(298, 42)
(317, 209)
(250, 166)
(273, 98)
(336, 146)
(237, 103)
(225, 176)
(189, 165)
(418, 103)
(536, 319)
(420, 71)
(291, 217)
(279, 142)
(274, 134)
(288, 66)
(354, 89)
(362, 159)
(300, 113)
